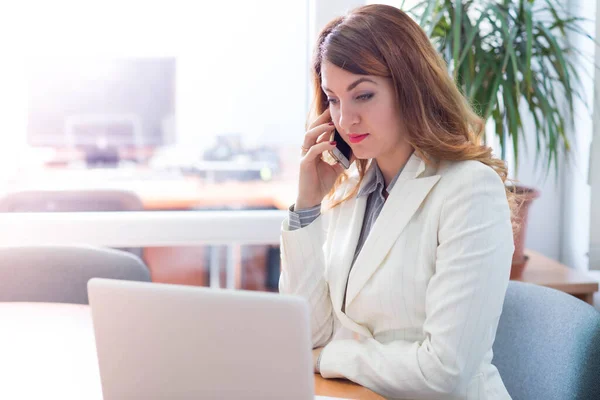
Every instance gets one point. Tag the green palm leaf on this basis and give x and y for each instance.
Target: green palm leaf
(506, 52)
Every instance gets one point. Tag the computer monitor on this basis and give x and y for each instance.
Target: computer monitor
(101, 105)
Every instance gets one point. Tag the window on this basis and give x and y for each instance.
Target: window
(169, 106)
(128, 94)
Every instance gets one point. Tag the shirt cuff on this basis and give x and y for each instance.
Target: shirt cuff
(301, 218)
(318, 364)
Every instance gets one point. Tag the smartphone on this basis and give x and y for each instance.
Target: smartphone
(342, 151)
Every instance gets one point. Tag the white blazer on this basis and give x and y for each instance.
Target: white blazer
(426, 291)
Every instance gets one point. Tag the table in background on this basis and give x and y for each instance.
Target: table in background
(545, 271)
(163, 191)
(48, 351)
(160, 191)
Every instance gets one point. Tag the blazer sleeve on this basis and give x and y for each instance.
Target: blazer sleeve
(464, 299)
(303, 274)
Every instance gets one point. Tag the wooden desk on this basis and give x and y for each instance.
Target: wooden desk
(544, 271)
(165, 192)
(343, 389)
(47, 351)
(253, 194)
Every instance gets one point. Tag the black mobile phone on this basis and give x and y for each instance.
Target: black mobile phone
(342, 151)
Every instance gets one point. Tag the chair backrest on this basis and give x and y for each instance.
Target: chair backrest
(73, 201)
(59, 274)
(547, 345)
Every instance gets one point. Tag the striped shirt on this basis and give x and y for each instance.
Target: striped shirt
(373, 187)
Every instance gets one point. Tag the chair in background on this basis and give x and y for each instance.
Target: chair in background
(547, 345)
(73, 201)
(59, 274)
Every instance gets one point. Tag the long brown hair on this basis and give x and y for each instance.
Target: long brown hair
(438, 121)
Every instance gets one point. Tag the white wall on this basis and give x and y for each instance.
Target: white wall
(544, 226)
(543, 230)
(595, 170)
(321, 12)
(575, 242)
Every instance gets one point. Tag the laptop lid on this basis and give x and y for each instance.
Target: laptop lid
(163, 341)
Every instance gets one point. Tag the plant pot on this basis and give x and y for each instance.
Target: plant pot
(526, 197)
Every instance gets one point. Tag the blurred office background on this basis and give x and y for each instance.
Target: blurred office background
(201, 107)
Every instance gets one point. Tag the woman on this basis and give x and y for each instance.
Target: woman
(405, 257)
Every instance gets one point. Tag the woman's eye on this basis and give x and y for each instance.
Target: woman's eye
(362, 97)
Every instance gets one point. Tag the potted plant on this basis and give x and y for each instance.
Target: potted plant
(511, 59)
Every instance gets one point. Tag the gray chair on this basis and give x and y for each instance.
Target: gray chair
(73, 201)
(59, 274)
(547, 345)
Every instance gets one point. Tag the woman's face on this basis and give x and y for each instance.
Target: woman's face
(364, 110)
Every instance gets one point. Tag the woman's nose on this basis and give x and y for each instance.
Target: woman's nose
(348, 118)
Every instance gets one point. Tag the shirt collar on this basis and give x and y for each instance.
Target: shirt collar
(374, 181)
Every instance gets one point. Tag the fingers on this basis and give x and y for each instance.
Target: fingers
(319, 131)
(316, 134)
(321, 119)
(325, 137)
(318, 149)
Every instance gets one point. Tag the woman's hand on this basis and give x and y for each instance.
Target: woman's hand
(316, 176)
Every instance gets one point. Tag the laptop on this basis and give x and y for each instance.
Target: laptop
(164, 341)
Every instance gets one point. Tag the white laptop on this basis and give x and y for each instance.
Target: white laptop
(162, 341)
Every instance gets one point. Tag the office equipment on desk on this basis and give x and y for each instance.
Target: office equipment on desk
(220, 164)
(235, 171)
(101, 105)
(48, 352)
(163, 189)
(170, 341)
(229, 159)
(59, 274)
(547, 345)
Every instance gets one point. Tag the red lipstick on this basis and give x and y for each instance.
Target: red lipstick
(357, 138)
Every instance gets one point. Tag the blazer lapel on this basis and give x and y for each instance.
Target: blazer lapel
(407, 195)
(344, 241)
